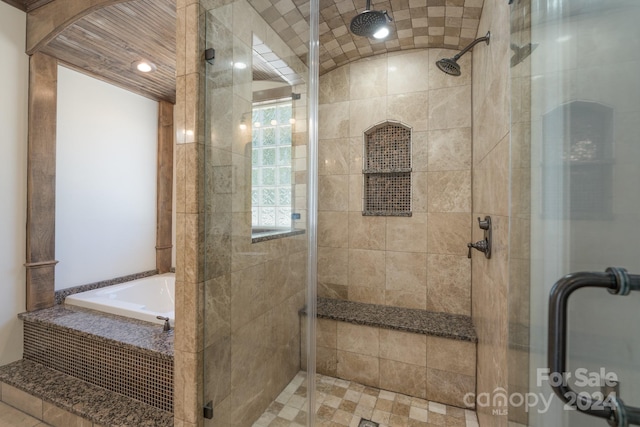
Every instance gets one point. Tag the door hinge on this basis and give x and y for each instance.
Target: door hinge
(208, 410)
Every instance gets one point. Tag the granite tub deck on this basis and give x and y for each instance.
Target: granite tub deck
(106, 369)
(445, 325)
(419, 353)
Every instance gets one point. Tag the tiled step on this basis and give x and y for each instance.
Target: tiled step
(62, 400)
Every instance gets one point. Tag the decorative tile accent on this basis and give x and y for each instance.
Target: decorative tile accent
(387, 170)
(132, 371)
(416, 24)
(348, 403)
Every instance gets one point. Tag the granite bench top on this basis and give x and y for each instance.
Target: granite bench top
(81, 398)
(454, 326)
(116, 330)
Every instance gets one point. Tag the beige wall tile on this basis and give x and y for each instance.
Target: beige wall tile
(360, 368)
(365, 113)
(21, 400)
(355, 155)
(451, 355)
(368, 78)
(403, 347)
(420, 151)
(333, 229)
(366, 295)
(333, 156)
(366, 268)
(406, 271)
(450, 149)
(449, 388)
(333, 120)
(366, 232)
(248, 295)
(450, 108)
(420, 196)
(410, 109)
(407, 234)
(358, 339)
(355, 193)
(408, 72)
(449, 284)
(491, 178)
(406, 299)
(403, 378)
(333, 192)
(334, 86)
(449, 233)
(333, 265)
(449, 191)
(326, 333)
(60, 418)
(327, 361)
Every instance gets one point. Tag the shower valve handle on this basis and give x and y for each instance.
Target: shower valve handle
(480, 245)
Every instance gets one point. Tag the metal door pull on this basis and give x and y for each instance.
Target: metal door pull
(617, 282)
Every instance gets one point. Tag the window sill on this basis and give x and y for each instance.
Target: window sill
(262, 234)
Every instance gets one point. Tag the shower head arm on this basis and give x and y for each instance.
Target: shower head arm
(368, 7)
(472, 44)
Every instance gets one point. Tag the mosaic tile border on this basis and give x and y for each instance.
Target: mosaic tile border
(123, 370)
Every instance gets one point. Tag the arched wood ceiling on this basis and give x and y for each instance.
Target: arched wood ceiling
(107, 41)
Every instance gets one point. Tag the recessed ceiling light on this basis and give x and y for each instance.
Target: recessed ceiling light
(144, 66)
(239, 65)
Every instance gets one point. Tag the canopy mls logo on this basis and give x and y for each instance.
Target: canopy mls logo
(499, 400)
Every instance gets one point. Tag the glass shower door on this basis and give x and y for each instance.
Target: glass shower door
(256, 222)
(584, 184)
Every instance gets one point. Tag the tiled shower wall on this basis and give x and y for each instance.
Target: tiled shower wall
(491, 151)
(237, 324)
(253, 291)
(418, 261)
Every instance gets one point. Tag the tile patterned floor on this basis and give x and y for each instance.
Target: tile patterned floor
(341, 403)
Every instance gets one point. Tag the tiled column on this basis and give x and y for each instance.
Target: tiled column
(189, 219)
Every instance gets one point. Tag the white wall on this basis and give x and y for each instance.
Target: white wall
(14, 72)
(105, 181)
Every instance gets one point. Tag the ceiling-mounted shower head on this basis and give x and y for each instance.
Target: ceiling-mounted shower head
(371, 23)
(451, 66)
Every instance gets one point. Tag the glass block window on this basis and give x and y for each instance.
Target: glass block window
(271, 191)
(387, 170)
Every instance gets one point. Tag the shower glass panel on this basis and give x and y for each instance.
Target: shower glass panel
(575, 198)
(256, 128)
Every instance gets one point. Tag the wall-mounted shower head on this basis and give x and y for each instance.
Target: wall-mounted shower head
(371, 23)
(451, 66)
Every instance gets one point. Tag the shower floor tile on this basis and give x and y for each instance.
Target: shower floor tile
(341, 403)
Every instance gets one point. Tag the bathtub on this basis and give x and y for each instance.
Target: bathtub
(141, 299)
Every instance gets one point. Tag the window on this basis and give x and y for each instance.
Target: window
(271, 189)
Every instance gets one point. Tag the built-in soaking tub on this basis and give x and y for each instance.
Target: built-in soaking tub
(142, 299)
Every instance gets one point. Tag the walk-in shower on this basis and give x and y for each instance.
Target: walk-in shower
(451, 66)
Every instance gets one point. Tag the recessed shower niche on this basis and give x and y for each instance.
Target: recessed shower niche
(387, 170)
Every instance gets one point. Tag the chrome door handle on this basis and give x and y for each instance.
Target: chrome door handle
(617, 282)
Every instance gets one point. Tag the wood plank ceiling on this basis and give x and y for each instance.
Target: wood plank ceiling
(106, 42)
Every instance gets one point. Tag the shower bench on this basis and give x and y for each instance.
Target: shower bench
(425, 354)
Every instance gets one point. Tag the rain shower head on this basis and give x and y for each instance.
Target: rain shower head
(450, 65)
(371, 23)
